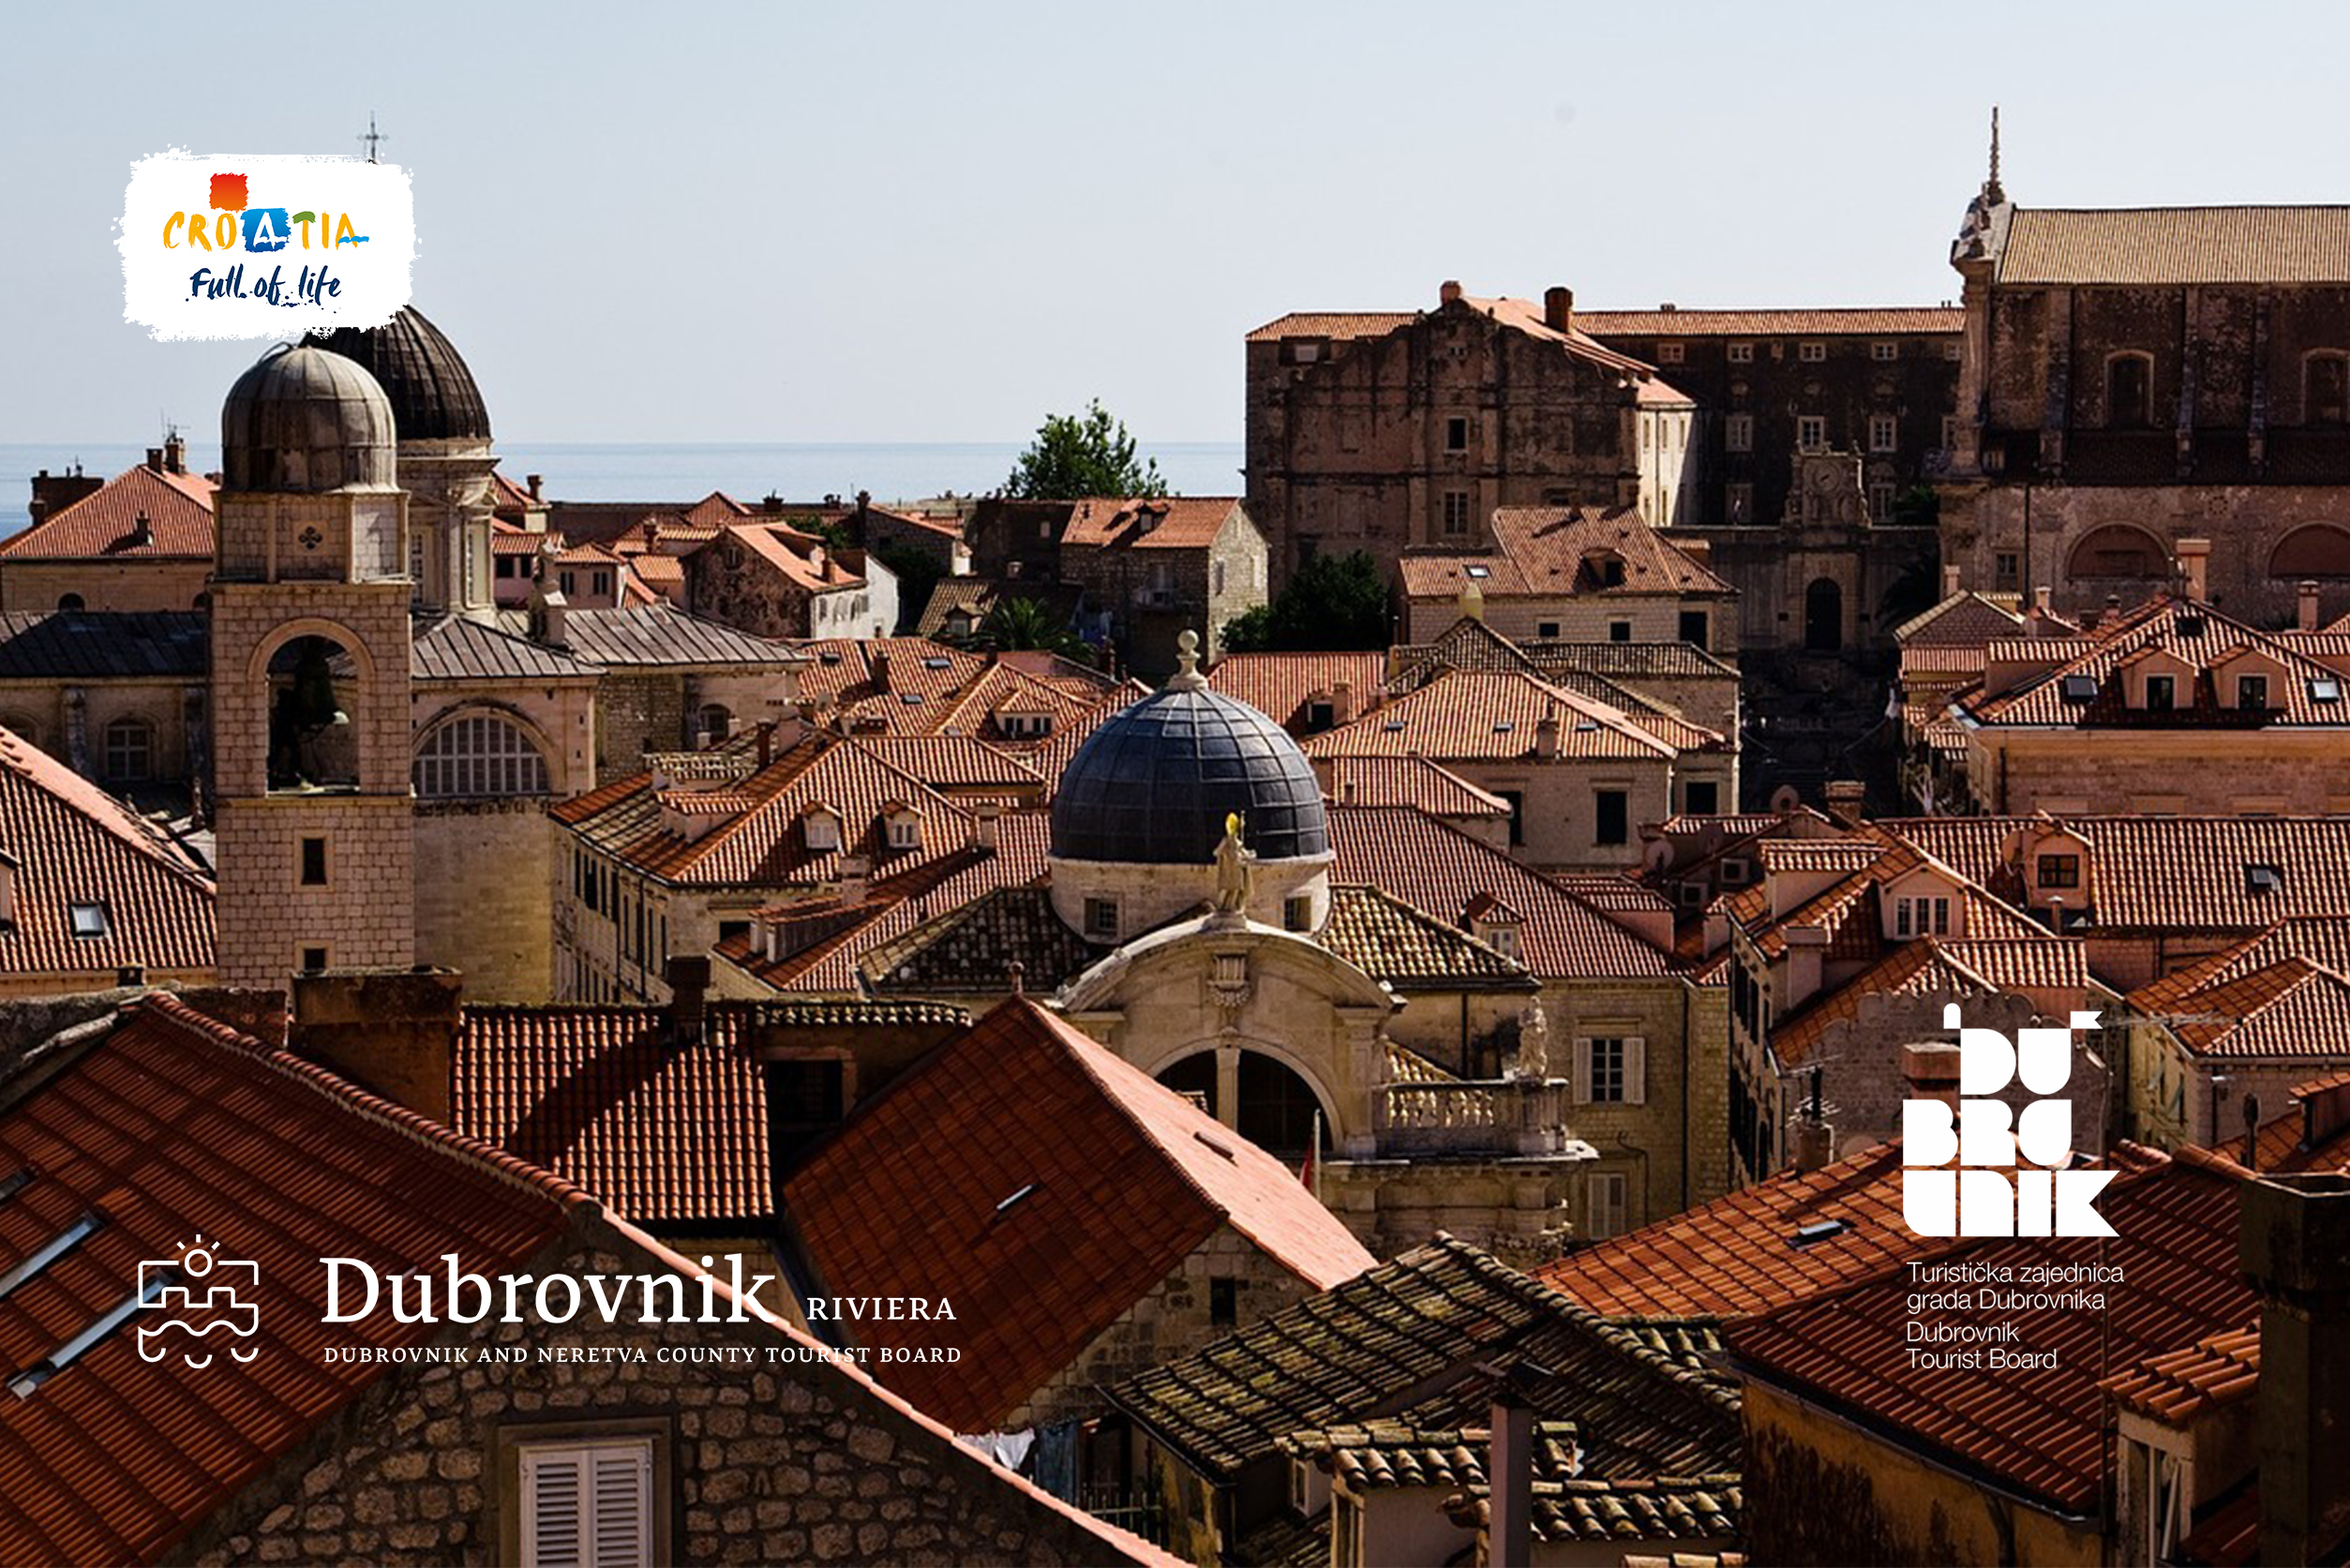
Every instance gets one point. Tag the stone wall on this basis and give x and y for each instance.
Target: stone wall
(2188, 771)
(485, 887)
(168, 583)
(769, 1463)
(1586, 617)
(363, 916)
(1560, 820)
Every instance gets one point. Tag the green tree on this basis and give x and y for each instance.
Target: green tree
(918, 572)
(1025, 623)
(1083, 454)
(1332, 602)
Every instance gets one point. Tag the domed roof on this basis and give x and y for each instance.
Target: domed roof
(304, 419)
(433, 395)
(1155, 783)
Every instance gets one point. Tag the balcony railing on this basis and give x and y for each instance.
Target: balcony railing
(1509, 1117)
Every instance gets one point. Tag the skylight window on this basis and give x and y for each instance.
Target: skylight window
(2263, 879)
(1819, 1231)
(911, 700)
(828, 657)
(64, 1355)
(50, 1251)
(1503, 727)
(2325, 689)
(1005, 1205)
(1480, 572)
(1393, 727)
(2080, 688)
(90, 922)
(938, 661)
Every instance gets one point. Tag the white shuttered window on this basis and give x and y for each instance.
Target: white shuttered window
(587, 1506)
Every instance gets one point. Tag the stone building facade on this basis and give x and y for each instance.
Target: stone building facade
(2139, 377)
(1383, 431)
(773, 580)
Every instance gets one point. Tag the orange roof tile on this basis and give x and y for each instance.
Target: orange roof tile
(1550, 552)
(2176, 244)
(177, 507)
(2197, 636)
(2293, 1007)
(1167, 523)
(1332, 323)
(1895, 321)
(1281, 686)
(1489, 715)
(66, 843)
(1524, 315)
(1410, 781)
(2179, 1386)
(1043, 1185)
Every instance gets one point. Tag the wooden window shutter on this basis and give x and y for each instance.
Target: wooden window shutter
(1583, 1071)
(1635, 1070)
(587, 1506)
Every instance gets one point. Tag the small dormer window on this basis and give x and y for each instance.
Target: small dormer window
(1319, 716)
(2162, 693)
(940, 661)
(2251, 692)
(2059, 871)
(906, 830)
(821, 828)
(1920, 917)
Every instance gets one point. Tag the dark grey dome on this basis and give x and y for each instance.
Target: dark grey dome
(432, 392)
(1155, 783)
(304, 419)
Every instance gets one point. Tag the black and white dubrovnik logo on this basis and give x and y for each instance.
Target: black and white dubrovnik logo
(1985, 1172)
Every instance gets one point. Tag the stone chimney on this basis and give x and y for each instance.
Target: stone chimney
(984, 818)
(2194, 562)
(532, 483)
(550, 614)
(155, 460)
(142, 531)
(54, 492)
(877, 666)
(176, 453)
(1558, 308)
(2306, 604)
(392, 1031)
(1509, 1472)
(1342, 702)
(1815, 1140)
(1447, 292)
(852, 879)
(2292, 1242)
(767, 743)
(1952, 577)
(1846, 799)
(1546, 734)
(688, 975)
(1930, 1068)
(1806, 956)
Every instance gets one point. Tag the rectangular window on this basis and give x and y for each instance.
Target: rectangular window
(1812, 354)
(1619, 631)
(314, 862)
(2251, 692)
(1920, 917)
(313, 960)
(1516, 802)
(2007, 570)
(1298, 914)
(1738, 433)
(1949, 348)
(1456, 511)
(1604, 1080)
(1224, 1303)
(1611, 1069)
(1884, 432)
(1547, 629)
(2162, 693)
(1607, 1190)
(1457, 434)
(588, 1503)
(807, 1096)
(1949, 431)
(1880, 503)
(1695, 627)
(1101, 919)
(1741, 353)
(1612, 811)
(1811, 432)
(1701, 796)
(1669, 353)
(89, 922)
(2059, 871)
(1884, 353)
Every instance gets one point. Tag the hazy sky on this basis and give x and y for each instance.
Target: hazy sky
(936, 222)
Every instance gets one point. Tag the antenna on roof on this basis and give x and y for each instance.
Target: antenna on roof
(374, 138)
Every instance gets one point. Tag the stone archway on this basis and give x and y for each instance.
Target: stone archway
(2312, 550)
(1274, 1104)
(2118, 552)
(1824, 616)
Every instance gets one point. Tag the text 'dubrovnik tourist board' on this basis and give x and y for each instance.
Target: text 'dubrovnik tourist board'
(1977, 1317)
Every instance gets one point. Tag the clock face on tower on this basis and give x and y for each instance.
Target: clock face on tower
(1822, 478)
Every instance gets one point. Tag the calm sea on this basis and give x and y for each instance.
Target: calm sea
(746, 470)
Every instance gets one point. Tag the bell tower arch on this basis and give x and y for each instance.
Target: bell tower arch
(309, 619)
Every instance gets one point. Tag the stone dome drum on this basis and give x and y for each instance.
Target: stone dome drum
(432, 392)
(306, 420)
(1155, 783)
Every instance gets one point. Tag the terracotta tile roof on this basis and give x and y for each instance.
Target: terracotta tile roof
(1741, 1253)
(1524, 315)
(1352, 1352)
(1964, 619)
(1546, 552)
(104, 644)
(2294, 1007)
(1385, 1452)
(2036, 967)
(764, 845)
(955, 762)
(175, 1126)
(658, 572)
(1281, 686)
(1410, 781)
(1043, 1185)
(970, 949)
(1552, 658)
(2177, 244)
(1843, 855)
(1437, 869)
(105, 523)
(2152, 873)
(1004, 689)
(505, 540)
(2039, 1430)
(802, 559)
(1282, 1540)
(1853, 907)
(1332, 323)
(1485, 716)
(2201, 639)
(2180, 1386)
(659, 637)
(1169, 523)
(1838, 320)
(1647, 1509)
(65, 843)
(455, 648)
(914, 686)
(1389, 940)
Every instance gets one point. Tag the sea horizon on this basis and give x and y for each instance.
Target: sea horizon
(686, 470)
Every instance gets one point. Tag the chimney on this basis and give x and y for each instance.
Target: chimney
(1558, 308)
(852, 879)
(392, 1030)
(1807, 960)
(142, 531)
(767, 743)
(1546, 734)
(1448, 291)
(983, 820)
(2306, 594)
(877, 668)
(1472, 601)
(2293, 1240)
(1930, 1068)
(176, 453)
(550, 615)
(1509, 1472)
(2039, 600)
(864, 514)
(155, 460)
(533, 480)
(1846, 799)
(688, 975)
(54, 492)
(1815, 1140)
(2194, 561)
(1953, 576)
(1342, 702)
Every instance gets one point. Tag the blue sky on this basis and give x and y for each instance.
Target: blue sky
(936, 223)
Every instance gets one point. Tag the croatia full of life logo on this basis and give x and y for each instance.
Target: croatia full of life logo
(263, 246)
(1985, 1171)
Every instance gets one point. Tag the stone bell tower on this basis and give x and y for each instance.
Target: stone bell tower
(310, 675)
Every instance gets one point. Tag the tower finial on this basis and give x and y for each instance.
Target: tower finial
(374, 136)
(1188, 677)
(1991, 186)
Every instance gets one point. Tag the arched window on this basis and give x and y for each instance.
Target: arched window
(717, 722)
(2314, 550)
(22, 726)
(1277, 1107)
(2326, 387)
(480, 754)
(2130, 391)
(68, 601)
(129, 751)
(2119, 550)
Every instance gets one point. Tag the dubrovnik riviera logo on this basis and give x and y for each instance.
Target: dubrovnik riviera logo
(229, 247)
(1989, 1192)
(195, 1297)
